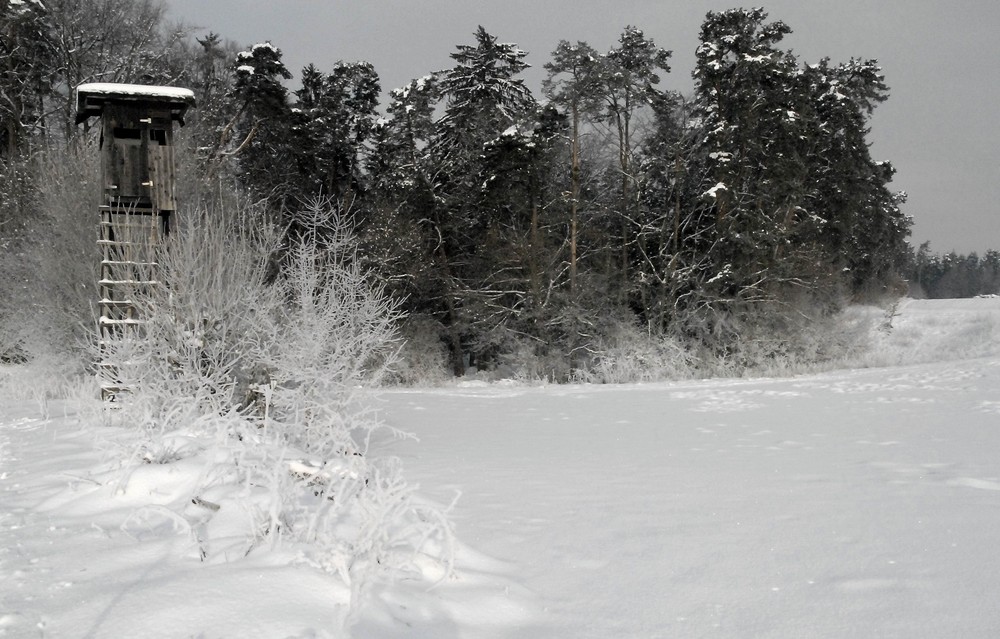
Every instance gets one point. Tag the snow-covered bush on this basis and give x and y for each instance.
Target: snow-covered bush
(625, 353)
(330, 330)
(423, 357)
(933, 330)
(44, 380)
(526, 359)
(48, 257)
(254, 358)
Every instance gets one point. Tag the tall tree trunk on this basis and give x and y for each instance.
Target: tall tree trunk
(534, 275)
(454, 333)
(574, 196)
(624, 153)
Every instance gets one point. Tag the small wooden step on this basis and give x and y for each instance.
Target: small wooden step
(121, 263)
(117, 243)
(107, 321)
(128, 282)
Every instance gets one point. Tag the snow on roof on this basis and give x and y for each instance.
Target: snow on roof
(91, 98)
(136, 90)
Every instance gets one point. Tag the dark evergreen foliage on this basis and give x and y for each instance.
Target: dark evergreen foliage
(27, 53)
(518, 230)
(953, 275)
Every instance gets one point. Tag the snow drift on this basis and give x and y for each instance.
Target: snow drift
(861, 501)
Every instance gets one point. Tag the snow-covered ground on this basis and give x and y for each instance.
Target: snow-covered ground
(863, 502)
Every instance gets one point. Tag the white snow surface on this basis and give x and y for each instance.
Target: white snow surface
(861, 502)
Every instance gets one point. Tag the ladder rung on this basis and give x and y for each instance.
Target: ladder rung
(114, 243)
(119, 282)
(125, 225)
(127, 208)
(113, 388)
(128, 213)
(106, 321)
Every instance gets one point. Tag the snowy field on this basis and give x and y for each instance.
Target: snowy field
(855, 503)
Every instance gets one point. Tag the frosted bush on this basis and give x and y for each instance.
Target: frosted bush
(526, 359)
(331, 331)
(263, 374)
(627, 354)
(44, 380)
(924, 334)
(47, 257)
(423, 356)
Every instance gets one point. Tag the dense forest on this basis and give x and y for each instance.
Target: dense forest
(532, 228)
(953, 275)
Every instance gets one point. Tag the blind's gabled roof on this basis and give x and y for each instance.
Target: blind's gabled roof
(91, 98)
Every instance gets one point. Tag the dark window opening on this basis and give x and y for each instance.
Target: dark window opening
(122, 133)
(159, 136)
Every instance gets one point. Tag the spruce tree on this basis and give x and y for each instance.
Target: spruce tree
(335, 115)
(258, 134)
(484, 98)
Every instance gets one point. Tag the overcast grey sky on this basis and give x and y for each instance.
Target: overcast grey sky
(941, 58)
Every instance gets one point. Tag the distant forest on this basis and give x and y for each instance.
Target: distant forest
(515, 224)
(953, 275)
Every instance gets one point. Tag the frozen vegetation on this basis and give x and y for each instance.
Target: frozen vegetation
(856, 502)
(461, 246)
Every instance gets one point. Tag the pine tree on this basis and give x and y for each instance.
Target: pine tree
(863, 231)
(573, 84)
(627, 77)
(484, 94)
(400, 160)
(672, 216)
(745, 98)
(258, 134)
(796, 200)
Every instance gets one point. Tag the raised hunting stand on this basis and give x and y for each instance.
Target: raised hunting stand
(137, 173)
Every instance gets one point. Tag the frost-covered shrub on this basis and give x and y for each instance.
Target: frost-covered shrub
(526, 359)
(423, 356)
(784, 340)
(515, 350)
(254, 358)
(332, 330)
(190, 356)
(625, 353)
(43, 380)
(933, 330)
(48, 256)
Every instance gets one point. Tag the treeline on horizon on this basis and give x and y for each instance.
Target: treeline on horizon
(514, 229)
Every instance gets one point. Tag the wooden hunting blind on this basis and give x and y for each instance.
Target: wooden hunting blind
(138, 176)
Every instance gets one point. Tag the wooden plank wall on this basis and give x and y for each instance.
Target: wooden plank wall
(138, 156)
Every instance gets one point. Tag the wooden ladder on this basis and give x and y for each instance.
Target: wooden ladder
(128, 237)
